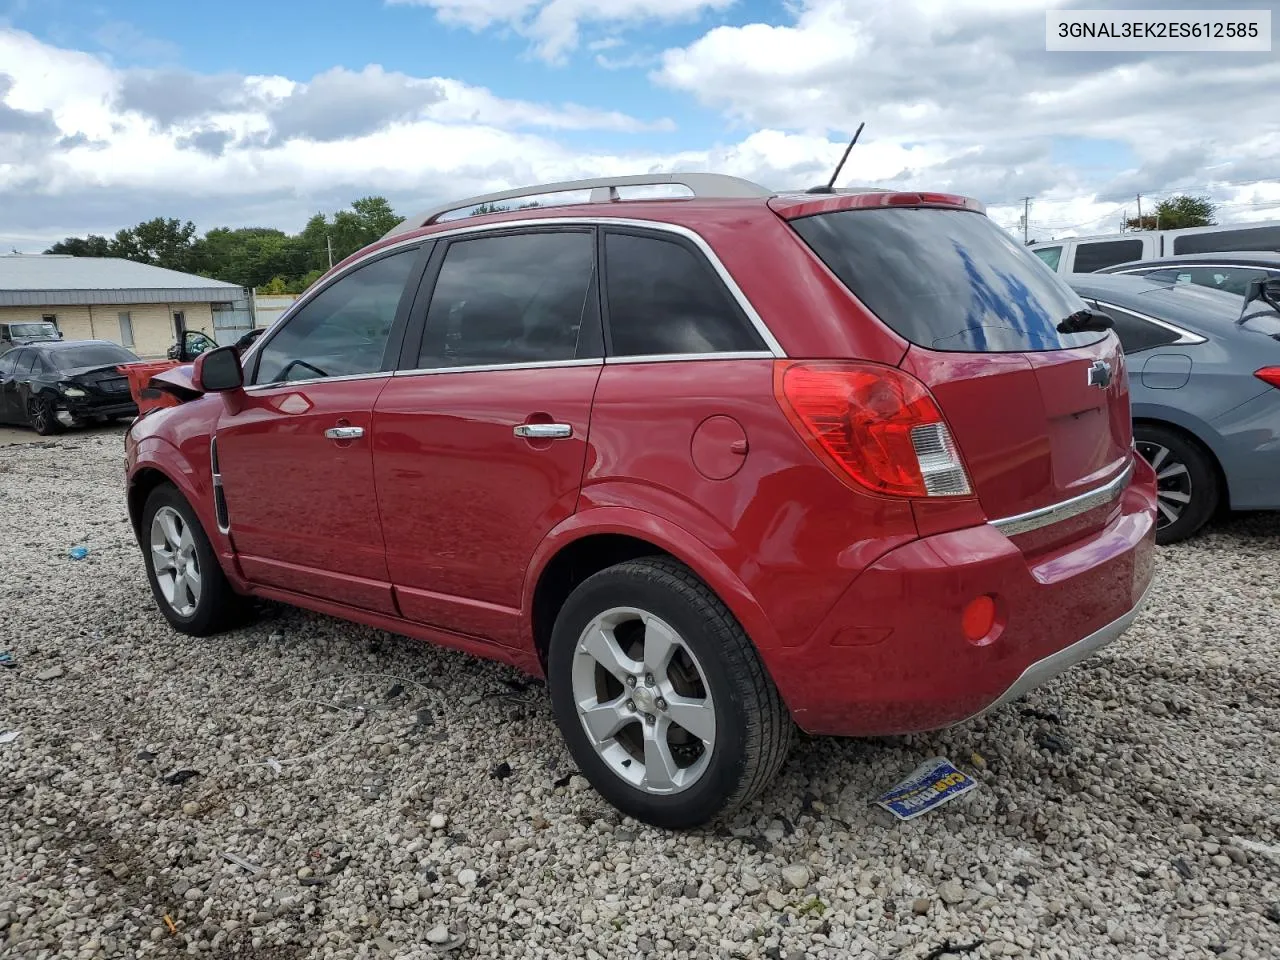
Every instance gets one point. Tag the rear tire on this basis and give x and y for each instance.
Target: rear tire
(43, 416)
(688, 662)
(188, 583)
(1187, 488)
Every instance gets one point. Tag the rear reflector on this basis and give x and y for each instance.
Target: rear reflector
(1269, 375)
(873, 425)
(978, 618)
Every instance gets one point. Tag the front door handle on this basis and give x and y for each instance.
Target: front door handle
(344, 433)
(544, 431)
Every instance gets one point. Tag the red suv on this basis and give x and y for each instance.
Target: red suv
(714, 465)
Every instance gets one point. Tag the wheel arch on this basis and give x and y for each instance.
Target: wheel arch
(596, 539)
(1198, 440)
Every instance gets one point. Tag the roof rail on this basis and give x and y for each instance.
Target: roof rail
(603, 190)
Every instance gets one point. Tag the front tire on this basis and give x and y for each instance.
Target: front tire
(661, 696)
(1186, 481)
(185, 576)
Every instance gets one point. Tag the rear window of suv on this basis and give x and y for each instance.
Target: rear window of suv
(946, 279)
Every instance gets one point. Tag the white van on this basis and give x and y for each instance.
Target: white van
(1087, 254)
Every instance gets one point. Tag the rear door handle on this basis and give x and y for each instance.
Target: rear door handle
(544, 431)
(344, 433)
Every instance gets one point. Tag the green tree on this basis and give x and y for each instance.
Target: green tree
(90, 246)
(162, 242)
(1177, 212)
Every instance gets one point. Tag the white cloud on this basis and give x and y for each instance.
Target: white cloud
(554, 26)
(970, 86)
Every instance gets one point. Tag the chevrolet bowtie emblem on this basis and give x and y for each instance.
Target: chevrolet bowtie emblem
(1100, 374)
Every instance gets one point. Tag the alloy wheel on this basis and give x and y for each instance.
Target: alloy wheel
(1173, 482)
(38, 413)
(175, 561)
(644, 701)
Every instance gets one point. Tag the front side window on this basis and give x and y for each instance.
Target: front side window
(343, 330)
(1052, 256)
(520, 298)
(7, 363)
(1231, 279)
(22, 366)
(1105, 253)
(664, 299)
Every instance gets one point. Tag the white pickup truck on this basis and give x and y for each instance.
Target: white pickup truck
(1087, 254)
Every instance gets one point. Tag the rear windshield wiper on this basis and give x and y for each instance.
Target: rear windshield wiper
(1086, 319)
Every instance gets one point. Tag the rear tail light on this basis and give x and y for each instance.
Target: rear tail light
(873, 425)
(1269, 375)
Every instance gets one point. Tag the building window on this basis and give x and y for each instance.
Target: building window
(50, 318)
(126, 329)
(179, 323)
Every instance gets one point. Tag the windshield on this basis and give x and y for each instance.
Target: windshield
(91, 355)
(947, 279)
(32, 330)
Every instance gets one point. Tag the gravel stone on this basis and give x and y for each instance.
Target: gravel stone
(796, 876)
(1107, 851)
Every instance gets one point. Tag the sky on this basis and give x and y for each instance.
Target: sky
(262, 113)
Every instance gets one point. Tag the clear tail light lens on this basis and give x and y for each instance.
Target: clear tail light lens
(873, 425)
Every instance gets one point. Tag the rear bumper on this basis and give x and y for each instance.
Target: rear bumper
(891, 656)
(83, 408)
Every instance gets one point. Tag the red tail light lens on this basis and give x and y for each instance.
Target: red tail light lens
(1269, 375)
(874, 425)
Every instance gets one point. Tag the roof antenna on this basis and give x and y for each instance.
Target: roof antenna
(830, 187)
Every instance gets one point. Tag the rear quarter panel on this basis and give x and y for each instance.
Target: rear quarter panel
(786, 528)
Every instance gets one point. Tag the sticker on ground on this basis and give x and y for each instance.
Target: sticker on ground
(930, 785)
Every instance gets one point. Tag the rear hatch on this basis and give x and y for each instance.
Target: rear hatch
(1039, 415)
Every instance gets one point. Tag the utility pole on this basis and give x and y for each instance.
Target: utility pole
(1026, 219)
(1140, 212)
(328, 240)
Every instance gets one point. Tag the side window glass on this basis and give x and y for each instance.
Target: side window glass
(1105, 253)
(26, 362)
(664, 299)
(1232, 279)
(1051, 256)
(6, 363)
(1135, 333)
(343, 330)
(521, 298)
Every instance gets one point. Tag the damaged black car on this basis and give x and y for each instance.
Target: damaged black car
(67, 383)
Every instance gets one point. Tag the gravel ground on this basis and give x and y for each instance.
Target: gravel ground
(355, 794)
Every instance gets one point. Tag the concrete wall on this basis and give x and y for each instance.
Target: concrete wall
(153, 330)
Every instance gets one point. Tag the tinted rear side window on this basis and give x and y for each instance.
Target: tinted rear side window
(1215, 241)
(1106, 253)
(946, 279)
(1135, 333)
(664, 298)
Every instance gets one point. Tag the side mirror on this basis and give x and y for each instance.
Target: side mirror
(218, 371)
(1266, 289)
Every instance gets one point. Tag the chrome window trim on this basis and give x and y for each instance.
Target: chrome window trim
(677, 357)
(1185, 337)
(276, 385)
(771, 342)
(1163, 265)
(479, 367)
(1065, 509)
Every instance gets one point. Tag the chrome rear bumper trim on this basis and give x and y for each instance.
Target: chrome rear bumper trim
(1057, 512)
